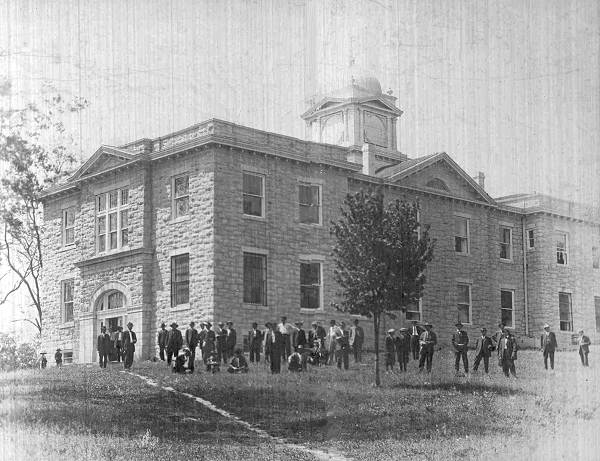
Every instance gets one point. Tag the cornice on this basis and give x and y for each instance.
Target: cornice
(135, 253)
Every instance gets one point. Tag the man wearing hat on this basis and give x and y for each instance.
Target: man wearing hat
(208, 346)
(230, 341)
(356, 341)
(483, 349)
(255, 338)
(174, 342)
(299, 337)
(43, 360)
(191, 339)
(221, 337)
(163, 335)
(415, 335)
(584, 348)
(548, 345)
(58, 357)
(427, 341)
(129, 340)
(390, 349)
(402, 348)
(103, 346)
(460, 341)
(201, 338)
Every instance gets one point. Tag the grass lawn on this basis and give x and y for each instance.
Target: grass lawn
(87, 413)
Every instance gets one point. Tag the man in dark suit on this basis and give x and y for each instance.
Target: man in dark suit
(191, 339)
(174, 342)
(103, 346)
(427, 341)
(274, 343)
(255, 339)
(507, 353)
(356, 340)
(119, 343)
(415, 334)
(162, 341)
(548, 345)
(584, 348)
(221, 344)
(460, 341)
(230, 341)
(129, 340)
(483, 349)
(300, 340)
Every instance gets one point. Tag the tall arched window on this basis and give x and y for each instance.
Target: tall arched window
(437, 183)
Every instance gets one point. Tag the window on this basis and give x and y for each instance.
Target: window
(597, 309)
(413, 311)
(112, 220)
(310, 285)
(180, 279)
(67, 299)
(595, 258)
(561, 249)
(110, 300)
(461, 235)
(437, 183)
(255, 279)
(309, 199)
(505, 243)
(506, 307)
(181, 196)
(68, 226)
(531, 239)
(565, 311)
(253, 194)
(464, 303)
(67, 357)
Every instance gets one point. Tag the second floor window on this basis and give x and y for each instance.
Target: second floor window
(253, 194)
(181, 196)
(561, 249)
(68, 221)
(565, 311)
(531, 239)
(461, 235)
(309, 200)
(112, 220)
(67, 287)
(505, 243)
(180, 279)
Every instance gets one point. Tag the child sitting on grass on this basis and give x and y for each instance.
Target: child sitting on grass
(295, 362)
(238, 363)
(212, 364)
(181, 362)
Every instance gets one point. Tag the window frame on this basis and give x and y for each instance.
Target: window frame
(419, 311)
(467, 238)
(319, 205)
(570, 320)
(530, 239)
(265, 273)
(65, 228)
(174, 198)
(106, 213)
(263, 179)
(595, 257)
(319, 285)
(63, 302)
(509, 243)
(512, 307)
(565, 252)
(174, 283)
(470, 305)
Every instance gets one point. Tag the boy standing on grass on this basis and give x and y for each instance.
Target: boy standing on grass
(390, 349)
(58, 358)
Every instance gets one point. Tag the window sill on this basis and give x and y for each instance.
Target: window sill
(258, 307)
(462, 254)
(180, 219)
(306, 310)
(255, 218)
(70, 246)
(66, 325)
(507, 261)
(310, 225)
(180, 307)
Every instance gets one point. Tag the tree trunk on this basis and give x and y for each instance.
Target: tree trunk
(376, 334)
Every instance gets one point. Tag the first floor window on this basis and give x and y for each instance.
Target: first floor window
(413, 311)
(506, 307)
(505, 243)
(68, 226)
(461, 235)
(67, 299)
(561, 249)
(180, 279)
(310, 285)
(565, 311)
(464, 303)
(253, 193)
(255, 279)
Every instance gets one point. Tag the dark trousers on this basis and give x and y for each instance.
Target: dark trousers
(161, 352)
(343, 357)
(275, 360)
(120, 353)
(286, 350)
(390, 359)
(414, 346)
(357, 349)
(192, 358)
(171, 354)
(458, 355)
(103, 358)
(221, 353)
(486, 362)
(584, 357)
(426, 355)
(402, 356)
(255, 353)
(509, 365)
(551, 355)
(128, 357)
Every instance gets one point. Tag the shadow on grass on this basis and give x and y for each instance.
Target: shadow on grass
(464, 388)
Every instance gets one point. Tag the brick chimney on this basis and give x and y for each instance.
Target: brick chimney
(368, 160)
(480, 178)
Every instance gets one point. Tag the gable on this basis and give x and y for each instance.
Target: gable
(440, 174)
(105, 162)
(103, 159)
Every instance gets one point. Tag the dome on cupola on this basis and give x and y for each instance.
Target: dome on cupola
(354, 78)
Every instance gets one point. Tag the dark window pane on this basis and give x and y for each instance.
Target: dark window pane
(252, 205)
(463, 314)
(506, 317)
(182, 206)
(255, 278)
(124, 196)
(309, 297)
(113, 240)
(310, 273)
(180, 279)
(101, 199)
(182, 186)
(113, 195)
(252, 184)
(506, 299)
(69, 236)
(124, 219)
(124, 237)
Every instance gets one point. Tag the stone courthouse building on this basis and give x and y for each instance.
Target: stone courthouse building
(223, 222)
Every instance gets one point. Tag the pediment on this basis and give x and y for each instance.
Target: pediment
(439, 173)
(103, 159)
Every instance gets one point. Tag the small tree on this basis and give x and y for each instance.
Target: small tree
(35, 153)
(380, 254)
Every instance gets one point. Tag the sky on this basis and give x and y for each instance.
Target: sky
(507, 87)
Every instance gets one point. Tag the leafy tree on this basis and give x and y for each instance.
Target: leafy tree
(35, 153)
(380, 254)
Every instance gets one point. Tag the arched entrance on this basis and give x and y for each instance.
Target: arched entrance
(111, 312)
